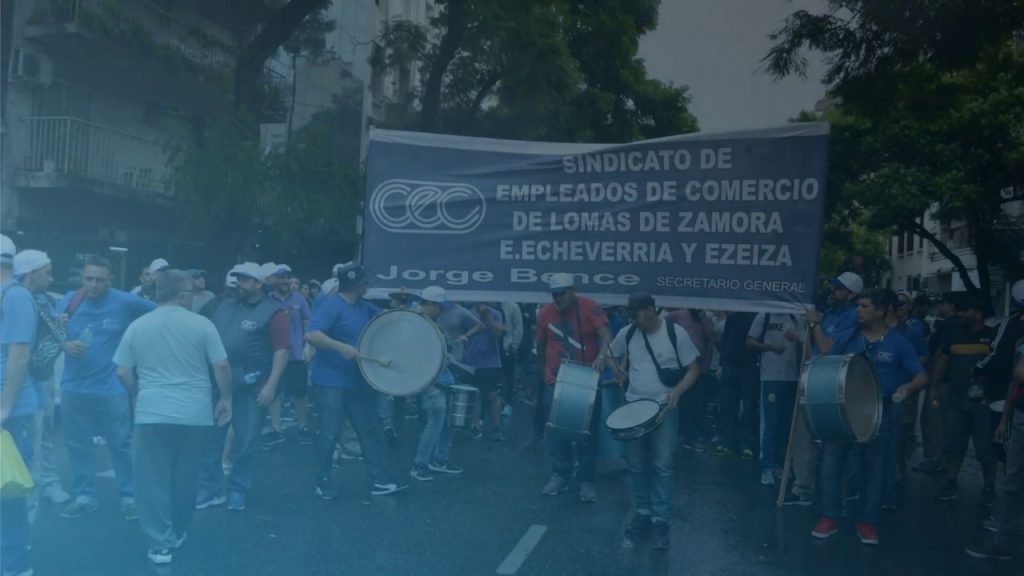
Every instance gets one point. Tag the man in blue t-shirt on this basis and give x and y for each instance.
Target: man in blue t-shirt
(483, 352)
(93, 402)
(840, 319)
(900, 375)
(19, 400)
(339, 385)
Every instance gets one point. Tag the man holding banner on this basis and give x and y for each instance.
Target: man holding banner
(572, 328)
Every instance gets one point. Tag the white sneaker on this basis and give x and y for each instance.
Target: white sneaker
(160, 557)
(767, 478)
(55, 493)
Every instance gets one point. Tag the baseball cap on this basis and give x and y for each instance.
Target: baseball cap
(561, 281)
(231, 281)
(349, 276)
(281, 270)
(7, 249)
(28, 261)
(850, 281)
(329, 285)
(1017, 293)
(434, 294)
(158, 265)
(248, 270)
(640, 301)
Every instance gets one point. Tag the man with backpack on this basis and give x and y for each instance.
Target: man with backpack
(93, 402)
(662, 367)
(19, 398)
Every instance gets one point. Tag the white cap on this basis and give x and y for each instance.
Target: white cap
(28, 261)
(280, 269)
(249, 270)
(561, 281)
(330, 285)
(1017, 293)
(231, 281)
(268, 269)
(7, 248)
(158, 265)
(434, 294)
(850, 281)
(338, 267)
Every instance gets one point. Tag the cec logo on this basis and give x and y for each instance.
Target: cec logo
(413, 207)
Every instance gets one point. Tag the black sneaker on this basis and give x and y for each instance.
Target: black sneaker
(420, 473)
(947, 493)
(325, 489)
(272, 438)
(797, 500)
(305, 436)
(989, 550)
(638, 524)
(988, 498)
(79, 508)
(662, 541)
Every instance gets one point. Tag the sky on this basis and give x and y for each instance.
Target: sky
(715, 48)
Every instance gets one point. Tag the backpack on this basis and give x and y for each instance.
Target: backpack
(48, 345)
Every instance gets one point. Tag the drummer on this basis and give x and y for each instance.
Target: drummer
(436, 439)
(341, 390)
(573, 328)
(662, 367)
(900, 375)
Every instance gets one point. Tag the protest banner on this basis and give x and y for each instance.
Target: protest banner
(726, 221)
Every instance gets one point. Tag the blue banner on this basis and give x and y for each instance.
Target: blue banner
(719, 221)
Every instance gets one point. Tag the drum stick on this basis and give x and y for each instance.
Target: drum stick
(383, 362)
(788, 466)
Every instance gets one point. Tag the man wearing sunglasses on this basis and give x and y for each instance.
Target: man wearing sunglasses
(573, 328)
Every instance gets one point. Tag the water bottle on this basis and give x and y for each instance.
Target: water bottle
(86, 336)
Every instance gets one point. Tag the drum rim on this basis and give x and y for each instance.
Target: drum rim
(360, 362)
(634, 426)
(843, 420)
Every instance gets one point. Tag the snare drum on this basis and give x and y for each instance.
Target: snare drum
(634, 419)
(572, 406)
(842, 398)
(463, 408)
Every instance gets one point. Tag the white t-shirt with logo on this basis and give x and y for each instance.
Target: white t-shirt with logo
(644, 383)
(779, 367)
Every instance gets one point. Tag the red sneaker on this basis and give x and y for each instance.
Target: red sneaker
(825, 528)
(867, 533)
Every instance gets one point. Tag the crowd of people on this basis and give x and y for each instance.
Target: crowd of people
(186, 390)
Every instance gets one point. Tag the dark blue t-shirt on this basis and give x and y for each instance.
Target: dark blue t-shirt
(894, 358)
(838, 324)
(343, 322)
(108, 317)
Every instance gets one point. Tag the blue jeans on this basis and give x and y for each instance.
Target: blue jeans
(651, 463)
(560, 446)
(436, 438)
(108, 415)
(14, 528)
(776, 415)
(873, 461)
(359, 405)
(247, 420)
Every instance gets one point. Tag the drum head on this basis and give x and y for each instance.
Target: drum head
(632, 414)
(578, 374)
(412, 343)
(863, 399)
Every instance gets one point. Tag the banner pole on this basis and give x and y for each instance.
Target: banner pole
(788, 466)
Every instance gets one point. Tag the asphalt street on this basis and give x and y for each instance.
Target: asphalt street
(488, 518)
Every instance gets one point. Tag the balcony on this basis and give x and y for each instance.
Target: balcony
(65, 151)
(137, 46)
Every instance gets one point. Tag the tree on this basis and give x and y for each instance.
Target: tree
(561, 70)
(930, 101)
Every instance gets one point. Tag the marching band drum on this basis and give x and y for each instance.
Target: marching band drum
(842, 398)
(401, 352)
(575, 394)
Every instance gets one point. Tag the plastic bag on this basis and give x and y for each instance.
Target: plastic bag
(15, 479)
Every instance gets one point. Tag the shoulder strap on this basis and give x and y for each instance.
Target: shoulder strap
(670, 327)
(76, 302)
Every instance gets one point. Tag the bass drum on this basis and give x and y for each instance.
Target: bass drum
(842, 399)
(573, 400)
(403, 352)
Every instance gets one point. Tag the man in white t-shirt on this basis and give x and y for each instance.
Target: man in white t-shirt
(662, 367)
(171, 349)
(777, 338)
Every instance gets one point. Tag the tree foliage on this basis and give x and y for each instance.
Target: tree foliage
(930, 100)
(547, 70)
